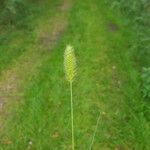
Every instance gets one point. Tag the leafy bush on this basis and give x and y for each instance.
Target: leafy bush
(146, 83)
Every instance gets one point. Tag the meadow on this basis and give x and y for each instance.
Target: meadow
(111, 45)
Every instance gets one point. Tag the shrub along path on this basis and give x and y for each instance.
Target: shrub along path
(106, 82)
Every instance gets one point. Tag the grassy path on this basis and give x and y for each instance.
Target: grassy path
(107, 83)
(14, 79)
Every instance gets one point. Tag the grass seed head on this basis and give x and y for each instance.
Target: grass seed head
(69, 63)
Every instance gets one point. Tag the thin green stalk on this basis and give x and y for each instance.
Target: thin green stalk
(93, 138)
(72, 118)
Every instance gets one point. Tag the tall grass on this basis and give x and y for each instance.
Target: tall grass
(70, 71)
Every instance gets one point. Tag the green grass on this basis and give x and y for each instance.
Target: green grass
(107, 82)
(17, 38)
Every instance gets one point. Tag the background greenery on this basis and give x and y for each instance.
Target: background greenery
(137, 14)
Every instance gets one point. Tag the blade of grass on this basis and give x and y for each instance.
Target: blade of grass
(93, 137)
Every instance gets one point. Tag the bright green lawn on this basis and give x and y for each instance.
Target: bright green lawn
(107, 82)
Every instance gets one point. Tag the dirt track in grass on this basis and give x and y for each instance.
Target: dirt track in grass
(12, 80)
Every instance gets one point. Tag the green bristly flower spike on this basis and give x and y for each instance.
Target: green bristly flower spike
(70, 72)
(69, 63)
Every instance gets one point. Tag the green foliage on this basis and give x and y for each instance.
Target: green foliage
(19, 13)
(146, 83)
(13, 11)
(138, 16)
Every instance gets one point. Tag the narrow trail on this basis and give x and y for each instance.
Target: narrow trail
(12, 81)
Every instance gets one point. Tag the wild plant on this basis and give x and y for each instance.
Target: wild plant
(70, 72)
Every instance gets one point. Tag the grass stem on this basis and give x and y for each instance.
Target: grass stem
(94, 133)
(72, 117)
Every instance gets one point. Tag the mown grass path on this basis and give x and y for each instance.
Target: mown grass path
(13, 80)
(106, 83)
